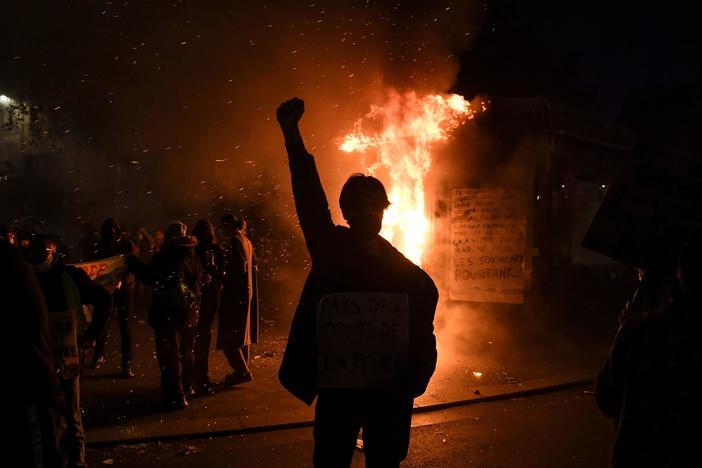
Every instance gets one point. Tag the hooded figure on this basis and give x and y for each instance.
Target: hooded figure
(174, 274)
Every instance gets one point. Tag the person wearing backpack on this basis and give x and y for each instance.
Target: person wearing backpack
(174, 275)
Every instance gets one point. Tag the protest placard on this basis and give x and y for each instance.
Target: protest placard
(63, 329)
(488, 242)
(362, 338)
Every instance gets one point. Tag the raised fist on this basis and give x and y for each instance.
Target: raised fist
(290, 112)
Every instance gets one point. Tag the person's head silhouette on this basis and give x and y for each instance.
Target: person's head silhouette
(204, 231)
(175, 229)
(41, 251)
(363, 200)
(231, 225)
(110, 231)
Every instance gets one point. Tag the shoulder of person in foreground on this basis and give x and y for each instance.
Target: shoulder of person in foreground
(612, 377)
(417, 277)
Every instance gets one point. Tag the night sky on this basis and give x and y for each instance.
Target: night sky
(184, 64)
(616, 48)
(183, 93)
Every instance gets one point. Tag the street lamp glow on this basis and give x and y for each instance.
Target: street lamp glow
(4, 100)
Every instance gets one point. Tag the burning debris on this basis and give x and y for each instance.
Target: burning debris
(408, 127)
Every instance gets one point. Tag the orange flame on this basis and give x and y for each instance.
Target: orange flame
(409, 127)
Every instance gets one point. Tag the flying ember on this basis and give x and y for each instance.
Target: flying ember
(408, 126)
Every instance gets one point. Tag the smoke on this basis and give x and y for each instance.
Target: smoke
(183, 94)
(565, 319)
(177, 99)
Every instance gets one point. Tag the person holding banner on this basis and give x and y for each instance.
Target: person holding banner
(66, 289)
(361, 340)
(114, 243)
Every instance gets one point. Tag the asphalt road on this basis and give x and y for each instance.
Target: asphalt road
(560, 429)
(490, 350)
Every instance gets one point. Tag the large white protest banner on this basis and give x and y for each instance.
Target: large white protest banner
(362, 338)
(488, 242)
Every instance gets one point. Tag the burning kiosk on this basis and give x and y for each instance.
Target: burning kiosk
(514, 197)
(494, 209)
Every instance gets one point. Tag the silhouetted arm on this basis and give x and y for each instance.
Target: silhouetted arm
(423, 354)
(310, 200)
(611, 381)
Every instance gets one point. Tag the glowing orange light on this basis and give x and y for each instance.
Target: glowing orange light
(409, 126)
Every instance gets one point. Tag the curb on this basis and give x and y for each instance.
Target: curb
(540, 390)
(535, 389)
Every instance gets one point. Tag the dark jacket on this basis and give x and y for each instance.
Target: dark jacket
(651, 386)
(90, 292)
(56, 295)
(35, 399)
(342, 264)
(238, 309)
(211, 257)
(33, 371)
(174, 274)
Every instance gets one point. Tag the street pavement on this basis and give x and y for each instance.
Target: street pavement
(558, 429)
(498, 361)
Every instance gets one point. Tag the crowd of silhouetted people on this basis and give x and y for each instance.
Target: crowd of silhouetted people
(61, 314)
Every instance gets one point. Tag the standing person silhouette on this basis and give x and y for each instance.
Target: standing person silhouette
(238, 308)
(211, 257)
(113, 242)
(651, 382)
(353, 260)
(36, 413)
(66, 289)
(174, 275)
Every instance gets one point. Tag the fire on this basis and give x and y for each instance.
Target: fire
(409, 127)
